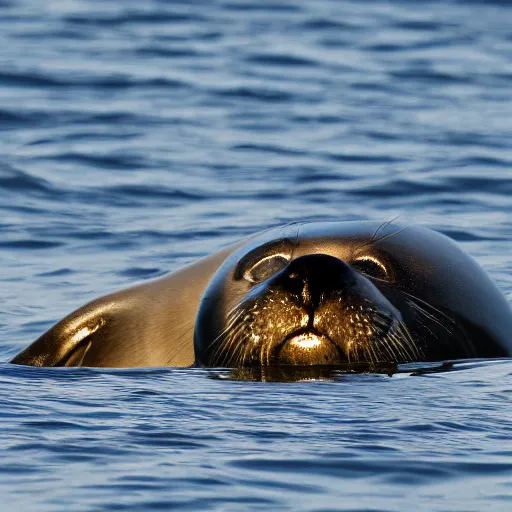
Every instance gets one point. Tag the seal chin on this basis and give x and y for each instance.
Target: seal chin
(305, 348)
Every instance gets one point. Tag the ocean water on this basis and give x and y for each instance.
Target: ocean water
(136, 137)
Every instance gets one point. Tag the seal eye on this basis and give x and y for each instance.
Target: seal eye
(371, 267)
(265, 268)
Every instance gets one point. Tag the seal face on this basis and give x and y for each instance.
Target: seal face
(316, 310)
(311, 294)
(334, 293)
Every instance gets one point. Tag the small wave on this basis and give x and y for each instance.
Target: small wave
(269, 59)
(325, 24)
(268, 148)
(362, 158)
(12, 179)
(133, 17)
(19, 117)
(424, 25)
(148, 191)
(261, 7)
(256, 93)
(119, 162)
(38, 79)
(166, 52)
(431, 76)
(139, 272)
(31, 244)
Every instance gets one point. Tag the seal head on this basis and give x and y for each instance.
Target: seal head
(348, 292)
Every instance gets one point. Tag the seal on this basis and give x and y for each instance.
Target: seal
(304, 294)
(151, 324)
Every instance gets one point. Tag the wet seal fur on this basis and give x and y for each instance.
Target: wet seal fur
(305, 294)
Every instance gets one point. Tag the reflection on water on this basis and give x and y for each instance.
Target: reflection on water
(340, 372)
(297, 373)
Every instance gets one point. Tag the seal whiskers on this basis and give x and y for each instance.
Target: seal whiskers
(454, 332)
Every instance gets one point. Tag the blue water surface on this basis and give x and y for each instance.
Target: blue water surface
(136, 137)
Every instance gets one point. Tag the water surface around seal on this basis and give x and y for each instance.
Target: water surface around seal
(137, 137)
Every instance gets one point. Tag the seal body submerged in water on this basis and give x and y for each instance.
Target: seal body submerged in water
(302, 294)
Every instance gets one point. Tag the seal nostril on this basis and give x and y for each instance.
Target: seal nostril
(314, 275)
(294, 283)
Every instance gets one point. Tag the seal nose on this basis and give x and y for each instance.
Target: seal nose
(314, 275)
